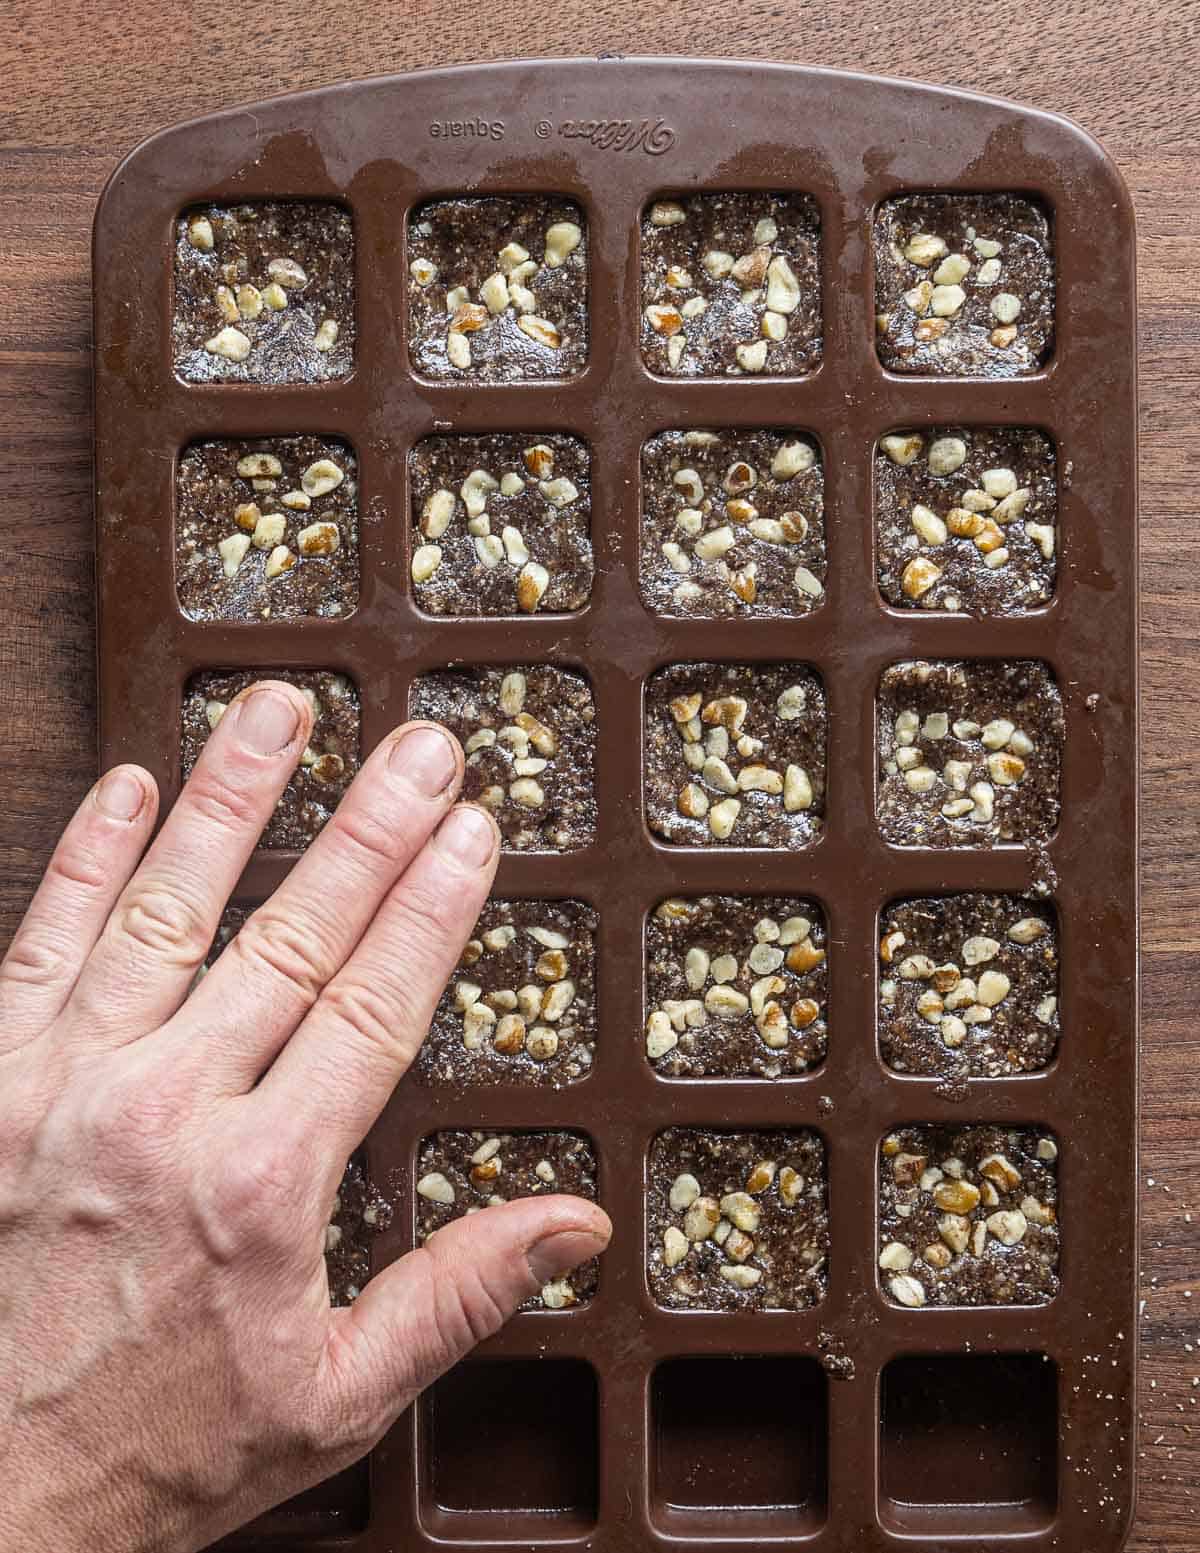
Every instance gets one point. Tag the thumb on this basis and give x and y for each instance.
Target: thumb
(422, 1314)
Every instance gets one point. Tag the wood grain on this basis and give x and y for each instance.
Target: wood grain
(85, 82)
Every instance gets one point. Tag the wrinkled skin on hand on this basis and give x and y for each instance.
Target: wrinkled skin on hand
(170, 1365)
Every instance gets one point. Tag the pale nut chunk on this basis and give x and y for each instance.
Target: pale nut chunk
(436, 1188)
(1006, 308)
(701, 1218)
(318, 539)
(903, 448)
(551, 965)
(765, 958)
(227, 305)
(275, 297)
(526, 792)
(540, 329)
(953, 268)
(964, 524)
(1036, 1212)
(1008, 1226)
(955, 1230)
(956, 1196)
(783, 289)
(946, 301)
(736, 1244)
(287, 273)
(489, 550)
(889, 944)
(742, 1211)
(250, 303)
(998, 482)
(509, 1037)
(714, 544)
(423, 272)
(437, 513)
(675, 1246)
(725, 1002)
(773, 325)
(983, 796)
(807, 584)
(1005, 769)
(684, 1191)
(660, 1036)
(232, 551)
(921, 779)
(956, 774)
(695, 967)
(667, 213)
(919, 298)
(791, 1186)
(326, 335)
(993, 988)
(763, 990)
(978, 949)
(1027, 929)
(1042, 535)
(425, 562)
(907, 1290)
(494, 292)
(562, 239)
(759, 779)
(1003, 337)
(684, 708)
(718, 263)
(793, 458)
(559, 493)
(516, 551)
(929, 527)
(558, 1295)
(664, 318)
(722, 817)
(924, 249)
(919, 576)
(724, 969)
(1000, 1170)
(200, 234)
(750, 270)
(988, 272)
(541, 1043)
(797, 790)
(531, 584)
(511, 484)
(269, 531)
(930, 1006)
(804, 957)
(458, 350)
(321, 477)
(895, 1257)
(752, 358)
(511, 257)
(279, 561)
(230, 343)
(740, 1275)
(557, 1000)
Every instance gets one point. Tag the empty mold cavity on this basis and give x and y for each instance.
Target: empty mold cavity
(336, 1509)
(968, 1445)
(510, 1451)
(739, 1447)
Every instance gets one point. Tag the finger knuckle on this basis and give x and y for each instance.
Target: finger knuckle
(35, 961)
(371, 839)
(257, 1189)
(372, 1013)
(220, 804)
(159, 918)
(293, 950)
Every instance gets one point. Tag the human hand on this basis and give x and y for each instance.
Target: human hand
(170, 1364)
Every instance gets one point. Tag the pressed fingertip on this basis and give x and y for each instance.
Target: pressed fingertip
(267, 719)
(468, 835)
(565, 1249)
(426, 758)
(122, 794)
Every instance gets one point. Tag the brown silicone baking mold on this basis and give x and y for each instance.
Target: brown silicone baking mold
(857, 1424)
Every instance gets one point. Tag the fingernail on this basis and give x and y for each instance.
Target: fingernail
(425, 758)
(561, 1252)
(468, 836)
(121, 795)
(267, 722)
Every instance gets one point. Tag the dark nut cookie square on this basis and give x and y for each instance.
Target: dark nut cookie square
(327, 765)
(461, 1172)
(968, 1216)
(731, 285)
(964, 284)
(521, 1007)
(966, 519)
(970, 754)
(501, 525)
(968, 985)
(733, 523)
(264, 293)
(529, 734)
(267, 529)
(735, 753)
(735, 985)
(737, 1220)
(497, 288)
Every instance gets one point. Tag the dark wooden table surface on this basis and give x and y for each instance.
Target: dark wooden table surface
(86, 79)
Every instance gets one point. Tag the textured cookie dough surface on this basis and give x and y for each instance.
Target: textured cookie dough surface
(737, 1220)
(267, 529)
(497, 288)
(529, 733)
(735, 985)
(968, 985)
(501, 524)
(964, 284)
(970, 754)
(733, 523)
(521, 1007)
(735, 753)
(968, 1216)
(463, 1172)
(327, 765)
(966, 519)
(264, 293)
(731, 284)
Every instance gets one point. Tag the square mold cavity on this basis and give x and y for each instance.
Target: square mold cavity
(510, 1451)
(334, 1510)
(968, 1445)
(739, 1447)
